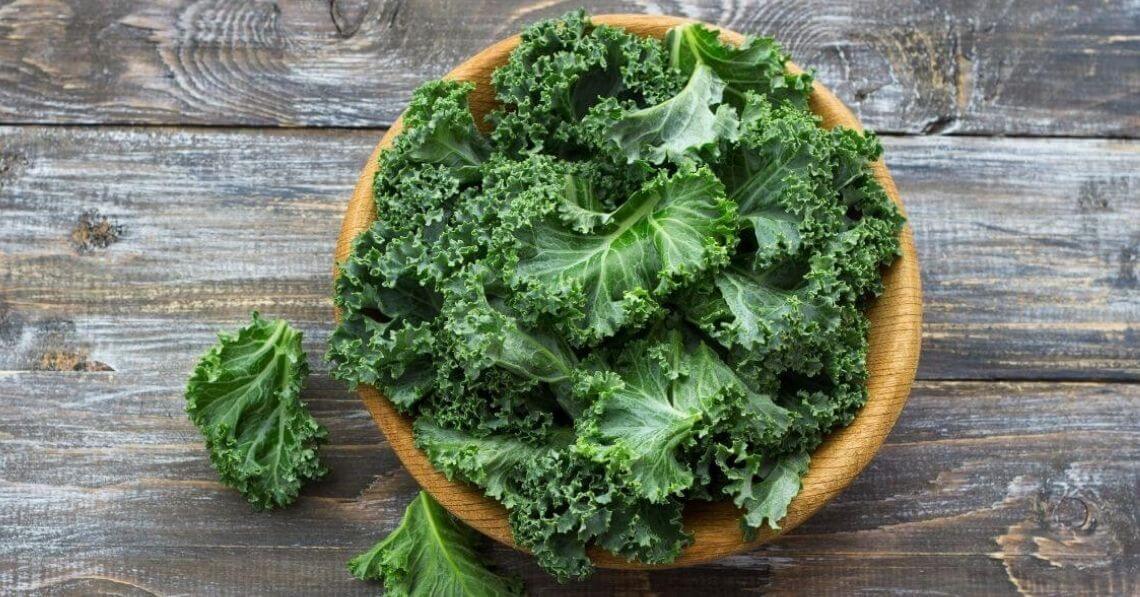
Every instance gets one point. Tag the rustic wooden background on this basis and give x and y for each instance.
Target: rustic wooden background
(168, 165)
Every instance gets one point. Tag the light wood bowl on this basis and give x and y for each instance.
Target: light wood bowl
(896, 320)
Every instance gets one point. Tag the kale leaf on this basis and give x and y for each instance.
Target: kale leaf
(665, 234)
(245, 398)
(678, 127)
(756, 66)
(431, 554)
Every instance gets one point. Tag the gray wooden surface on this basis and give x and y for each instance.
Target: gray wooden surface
(151, 194)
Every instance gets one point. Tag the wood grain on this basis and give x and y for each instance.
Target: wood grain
(984, 487)
(1030, 271)
(964, 66)
(128, 248)
(219, 222)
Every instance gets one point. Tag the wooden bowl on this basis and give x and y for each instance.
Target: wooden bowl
(896, 320)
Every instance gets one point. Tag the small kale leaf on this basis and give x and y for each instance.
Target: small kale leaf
(488, 461)
(663, 397)
(757, 65)
(676, 129)
(441, 130)
(561, 69)
(669, 232)
(763, 488)
(244, 396)
(431, 554)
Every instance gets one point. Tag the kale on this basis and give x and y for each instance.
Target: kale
(244, 396)
(642, 286)
(431, 554)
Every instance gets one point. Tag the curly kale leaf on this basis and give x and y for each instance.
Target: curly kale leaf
(663, 236)
(644, 531)
(566, 499)
(561, 69)
(431, 554)
(489, 461)
(245, 398)
(676, 129)
(816, 227)
(756, 311)
(662, 397)
(779, 177)
(487, 334)
(755, 66)
(762, 488)
(581, 208)
(869, 239)
(441, 130)
(386, 337)
(559, 496)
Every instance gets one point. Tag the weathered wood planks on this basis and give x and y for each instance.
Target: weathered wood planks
(1029, 254)
(1028, 247)
(983, 487)
(127, 248)
(967, 66)
(123, 250)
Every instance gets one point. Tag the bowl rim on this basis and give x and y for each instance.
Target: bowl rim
(892, 356)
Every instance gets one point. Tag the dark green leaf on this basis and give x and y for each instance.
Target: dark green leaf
(431, 554)
(756, 66)
(244, 396)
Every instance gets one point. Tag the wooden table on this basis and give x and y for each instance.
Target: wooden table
(168, 165)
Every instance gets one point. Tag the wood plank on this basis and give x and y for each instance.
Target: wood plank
(966, 66)
(1028, 247)
(982, 487)
(1029, 255)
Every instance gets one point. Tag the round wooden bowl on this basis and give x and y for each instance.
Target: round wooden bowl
(896, 319)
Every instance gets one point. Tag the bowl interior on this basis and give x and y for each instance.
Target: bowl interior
(892, 358)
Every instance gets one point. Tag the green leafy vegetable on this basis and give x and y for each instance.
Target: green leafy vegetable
(244, 396)
(432, 555)
(664, 396)
(756, 66)
(641, 286)
(671, 230)
(679, 126)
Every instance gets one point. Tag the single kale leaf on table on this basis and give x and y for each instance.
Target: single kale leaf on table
(431, 554)
(244, 396)
(640, 284)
